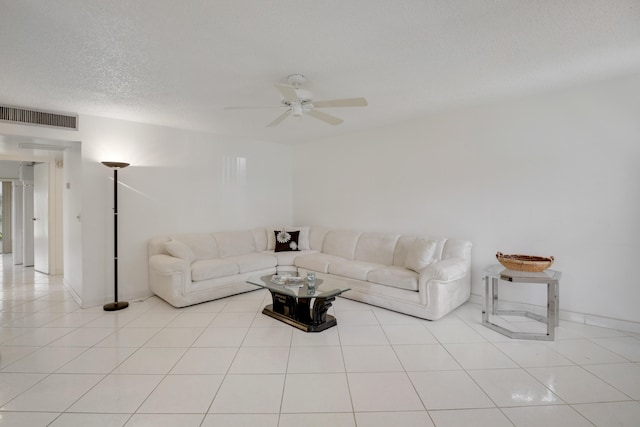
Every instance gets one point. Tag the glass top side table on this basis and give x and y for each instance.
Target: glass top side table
(551, 278)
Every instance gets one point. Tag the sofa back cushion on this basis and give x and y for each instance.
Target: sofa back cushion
(180, 250)
(316, 237)
(457, 248)
(260, 238)
(233, 243)
(402, 249)
(203, 245)
(376, 248)
(406, 242)
(157, 245)
(420, 254)
(341, 243)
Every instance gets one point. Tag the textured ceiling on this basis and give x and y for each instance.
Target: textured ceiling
(178, 63)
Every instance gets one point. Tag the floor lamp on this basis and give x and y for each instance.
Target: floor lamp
(115, 305)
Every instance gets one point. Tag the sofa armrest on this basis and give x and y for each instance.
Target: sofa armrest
(446, 270)
(167, 264)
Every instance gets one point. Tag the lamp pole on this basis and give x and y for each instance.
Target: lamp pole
(115, 305)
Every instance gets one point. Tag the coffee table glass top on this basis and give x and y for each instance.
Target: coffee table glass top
(298, 287)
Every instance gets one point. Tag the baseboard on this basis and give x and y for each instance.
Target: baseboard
(587, 319)
(74, 295)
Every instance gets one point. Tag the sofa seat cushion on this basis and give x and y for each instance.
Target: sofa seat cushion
(288, 258)
(212, 268)
(253, 262)
(316, 262)
(352, 269)
(397, 277)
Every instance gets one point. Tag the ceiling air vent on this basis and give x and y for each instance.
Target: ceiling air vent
(28, 116)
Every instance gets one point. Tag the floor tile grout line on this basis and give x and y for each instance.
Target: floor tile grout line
(346, 374)
(226, 374)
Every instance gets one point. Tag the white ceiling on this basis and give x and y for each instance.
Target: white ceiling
(178, 63)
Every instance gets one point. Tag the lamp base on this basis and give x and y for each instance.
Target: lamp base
(113, 306)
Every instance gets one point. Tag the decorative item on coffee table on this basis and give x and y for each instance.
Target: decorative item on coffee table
(527, 263)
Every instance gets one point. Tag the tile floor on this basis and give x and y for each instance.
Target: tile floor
(223, 363)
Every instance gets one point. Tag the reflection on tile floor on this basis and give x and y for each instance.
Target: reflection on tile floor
(224, 363)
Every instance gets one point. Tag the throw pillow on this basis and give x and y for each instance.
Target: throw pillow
(180, 250)
(420, 254)
(271, 240)
(286, 240)
(303, 241)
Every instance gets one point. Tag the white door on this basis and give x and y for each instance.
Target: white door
(18, 221)
(41, 217)
(27, 224)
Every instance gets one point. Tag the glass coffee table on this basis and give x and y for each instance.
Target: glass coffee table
(298, 304)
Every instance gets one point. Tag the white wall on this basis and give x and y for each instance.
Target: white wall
(550, 175)
(555, 174)
(9, 170)
(179, 181)
(71, 220)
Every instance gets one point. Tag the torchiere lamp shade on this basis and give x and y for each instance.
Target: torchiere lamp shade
(115, 165)
(115, 305)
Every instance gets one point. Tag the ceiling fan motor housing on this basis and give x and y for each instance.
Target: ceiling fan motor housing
(296, 80)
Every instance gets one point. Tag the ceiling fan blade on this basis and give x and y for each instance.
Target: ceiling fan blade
(325, 117)
(251, 108)
(289, 92)
(280, 118)
(347, 102)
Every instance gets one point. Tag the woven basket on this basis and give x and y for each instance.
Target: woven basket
(524, 262)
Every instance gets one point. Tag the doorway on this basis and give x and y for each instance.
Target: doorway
(41, 217)
(5, 217)
(26, 220)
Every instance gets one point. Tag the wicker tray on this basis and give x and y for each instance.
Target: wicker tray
(524, 262)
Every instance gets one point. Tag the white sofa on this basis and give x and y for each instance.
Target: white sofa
(410, 274)
(187, 269)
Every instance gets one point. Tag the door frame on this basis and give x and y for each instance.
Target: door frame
(41, 232)
(55, 165)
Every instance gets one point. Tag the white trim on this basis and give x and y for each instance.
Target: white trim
(74, 295)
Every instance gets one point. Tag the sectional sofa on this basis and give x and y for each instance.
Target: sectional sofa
(416, 275)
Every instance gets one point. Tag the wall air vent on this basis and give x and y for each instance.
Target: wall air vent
(29, 116)
(36, 146)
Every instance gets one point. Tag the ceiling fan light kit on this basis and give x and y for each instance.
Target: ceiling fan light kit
(299, 102)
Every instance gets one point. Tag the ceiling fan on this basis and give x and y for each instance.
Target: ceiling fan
(299, 102)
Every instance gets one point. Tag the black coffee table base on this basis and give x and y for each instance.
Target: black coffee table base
(331, 321)
(300, 314)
